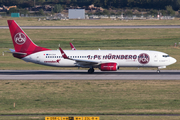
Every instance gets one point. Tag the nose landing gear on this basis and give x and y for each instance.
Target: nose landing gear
(160, 67)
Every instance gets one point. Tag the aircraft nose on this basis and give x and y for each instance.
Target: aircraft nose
(172, 60)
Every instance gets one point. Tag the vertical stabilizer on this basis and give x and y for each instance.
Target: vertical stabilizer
(22, 43)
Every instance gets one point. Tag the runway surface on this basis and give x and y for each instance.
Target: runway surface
(83, 75)
(95, 27)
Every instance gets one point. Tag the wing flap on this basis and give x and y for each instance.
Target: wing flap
(86, 61)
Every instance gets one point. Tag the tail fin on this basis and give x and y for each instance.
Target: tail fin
(22, 43)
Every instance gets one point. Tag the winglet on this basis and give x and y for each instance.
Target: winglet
(63, 53)
(72, 46)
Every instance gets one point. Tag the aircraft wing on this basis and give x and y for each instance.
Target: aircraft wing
(79, 61)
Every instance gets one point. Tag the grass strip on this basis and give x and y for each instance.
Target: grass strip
(25, 21)
(96, 97)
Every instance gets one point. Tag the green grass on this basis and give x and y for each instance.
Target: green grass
(101, 37)
(91, 39)
(99, 22)
(93, 96)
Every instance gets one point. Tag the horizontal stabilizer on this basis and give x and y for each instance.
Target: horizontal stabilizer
(12, 50)
(18, 53)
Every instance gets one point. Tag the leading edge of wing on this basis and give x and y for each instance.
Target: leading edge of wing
(78, 60)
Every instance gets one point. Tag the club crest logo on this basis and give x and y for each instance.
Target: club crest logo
(20, 38)
(143, 58)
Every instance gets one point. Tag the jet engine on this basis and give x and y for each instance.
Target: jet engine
(108, 67)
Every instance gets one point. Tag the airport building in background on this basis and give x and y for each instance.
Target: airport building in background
(76, 13)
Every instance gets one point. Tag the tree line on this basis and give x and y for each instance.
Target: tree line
(113, 4)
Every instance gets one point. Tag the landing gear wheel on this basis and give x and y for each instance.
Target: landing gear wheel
(91, 70)
(158, 71)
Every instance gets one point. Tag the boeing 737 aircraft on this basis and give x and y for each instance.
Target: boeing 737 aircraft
(105, 60)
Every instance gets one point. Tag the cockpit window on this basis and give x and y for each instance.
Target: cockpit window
(165, 55)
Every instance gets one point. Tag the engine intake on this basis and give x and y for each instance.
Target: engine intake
(108, 67)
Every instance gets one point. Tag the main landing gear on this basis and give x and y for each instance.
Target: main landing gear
(91, 70)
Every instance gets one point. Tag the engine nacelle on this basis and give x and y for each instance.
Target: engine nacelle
(108, 67)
